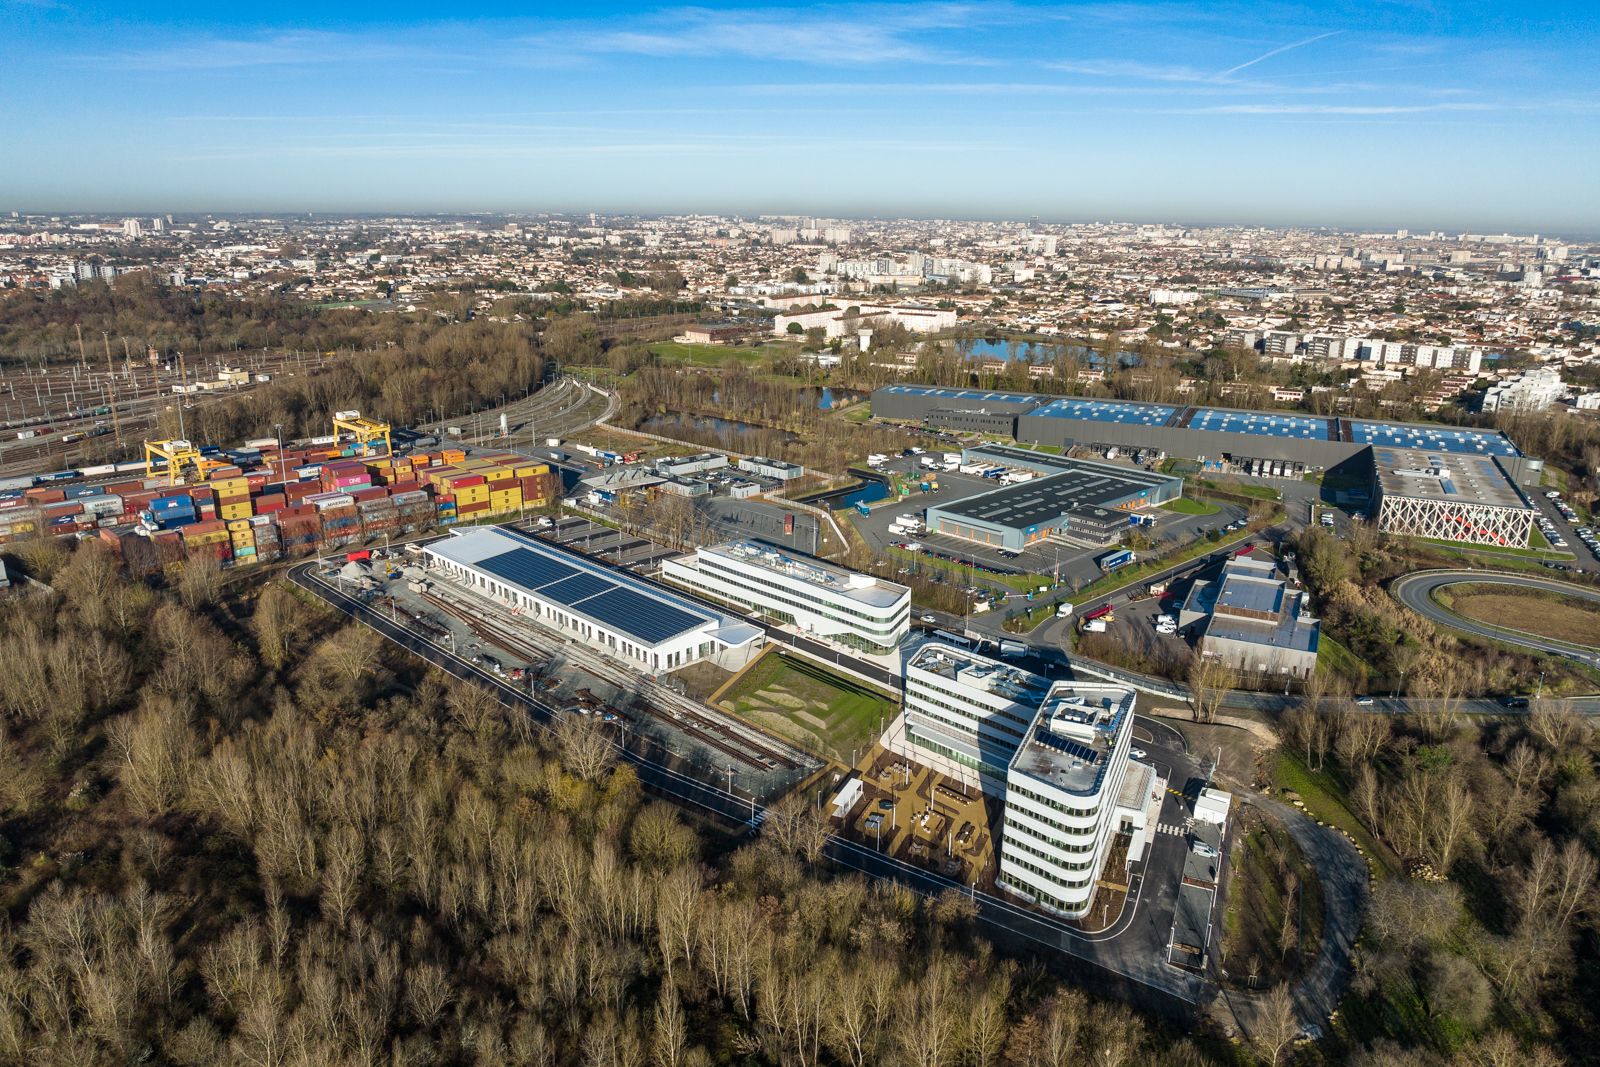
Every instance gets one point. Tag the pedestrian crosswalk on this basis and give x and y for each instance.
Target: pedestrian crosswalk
(1170, 828)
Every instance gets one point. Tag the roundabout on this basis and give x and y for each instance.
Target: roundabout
(1417, 592)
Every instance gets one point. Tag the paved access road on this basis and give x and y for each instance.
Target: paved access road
(1416, 591)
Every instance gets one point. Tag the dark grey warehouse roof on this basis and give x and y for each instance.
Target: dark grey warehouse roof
(1077, 484)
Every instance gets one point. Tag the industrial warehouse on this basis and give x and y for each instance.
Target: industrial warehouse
(1450, 497)
(611, 611)
(1193, 432)
(1078, 501)
(1483, 504)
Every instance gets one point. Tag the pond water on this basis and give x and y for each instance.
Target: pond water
(668, 425)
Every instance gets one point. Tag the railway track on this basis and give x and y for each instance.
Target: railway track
(704, 727)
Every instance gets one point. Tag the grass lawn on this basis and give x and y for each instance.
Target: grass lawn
(1334, 658)
(1186, 505)
(827, 713)
(1323, 797)
(1570, 619)
(1259, 492)
(706, 355)
(1495, 550)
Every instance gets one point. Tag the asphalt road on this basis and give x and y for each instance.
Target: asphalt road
(1416, 591)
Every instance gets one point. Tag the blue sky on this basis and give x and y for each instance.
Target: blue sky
(1417, 114)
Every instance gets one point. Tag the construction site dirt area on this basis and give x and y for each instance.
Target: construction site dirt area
(920, 817)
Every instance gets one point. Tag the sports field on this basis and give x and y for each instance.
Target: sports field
(825, 712)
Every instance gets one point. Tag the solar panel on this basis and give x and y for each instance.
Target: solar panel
(646, 618)
(571, 590)
(527, 569)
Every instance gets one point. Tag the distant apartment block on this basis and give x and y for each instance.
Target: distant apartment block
(1533, 390)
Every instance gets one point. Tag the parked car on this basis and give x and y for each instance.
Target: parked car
(1365, 702)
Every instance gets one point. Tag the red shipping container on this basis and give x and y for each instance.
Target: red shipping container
(466, 479)
(46, 496)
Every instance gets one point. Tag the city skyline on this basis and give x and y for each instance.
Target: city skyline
(1376, 116)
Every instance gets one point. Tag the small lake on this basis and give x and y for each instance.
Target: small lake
(669, 425)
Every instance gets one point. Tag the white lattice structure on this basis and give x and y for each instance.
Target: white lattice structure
(1451, 498)
(1446, 520)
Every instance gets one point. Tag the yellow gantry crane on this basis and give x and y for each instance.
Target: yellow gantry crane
(170, 458)
(366, 432)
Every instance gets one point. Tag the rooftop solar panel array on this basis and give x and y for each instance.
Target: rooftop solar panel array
(631, 612)
(962, 394)
(1263, 424)
(1072, 407)
(527, 569)
(1432, 438)
(608, 602)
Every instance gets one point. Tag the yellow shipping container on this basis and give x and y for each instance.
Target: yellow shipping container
(503, 501)
(244, 540)
(239, 524)
(206, 539)
(231, 486)
(529, 470)
(472, 494)
(234, 512)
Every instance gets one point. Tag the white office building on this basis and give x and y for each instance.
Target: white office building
(847, 606)
(1070, 789)
(964, 714)
(615, 613)
(1532, 390)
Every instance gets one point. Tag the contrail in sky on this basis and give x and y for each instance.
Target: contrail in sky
(1279, 51)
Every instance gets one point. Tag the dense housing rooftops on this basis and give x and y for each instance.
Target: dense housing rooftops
(1450, 477)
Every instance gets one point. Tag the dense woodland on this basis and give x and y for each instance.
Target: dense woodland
(1480, 944)
(237, 831)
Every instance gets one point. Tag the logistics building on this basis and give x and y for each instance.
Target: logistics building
(613, 612)
(1204, 433)
(1253, 621)
(1079, 501)
(1070, 790)
(850, 607)
(1451, 498)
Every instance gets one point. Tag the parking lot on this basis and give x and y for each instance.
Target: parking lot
(1554, 523)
